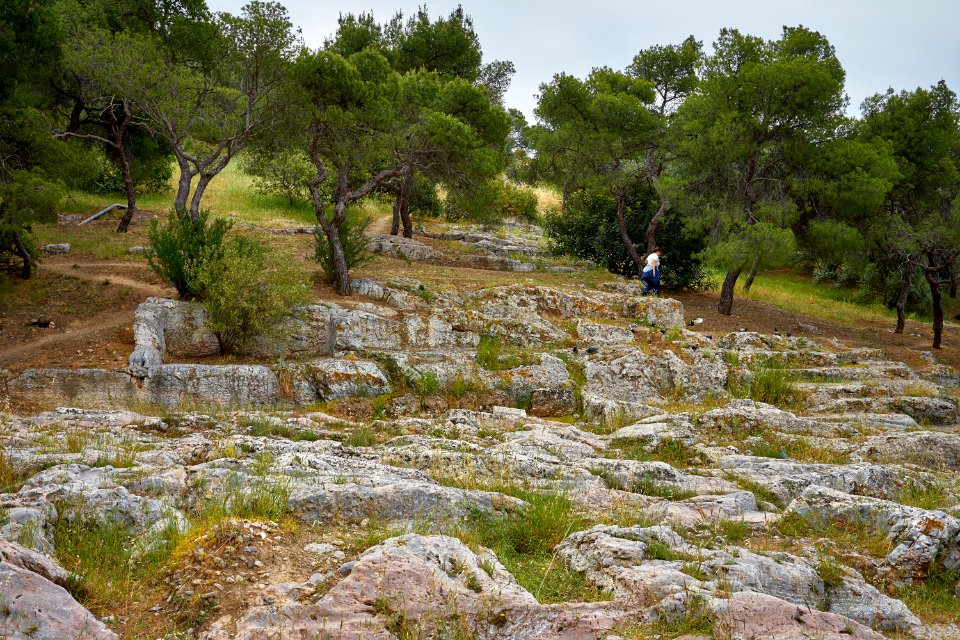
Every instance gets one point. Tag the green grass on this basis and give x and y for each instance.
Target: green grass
(676, 453)
(100, 553)
(644, 486)
(934, 601)
(926, 496)
(772, 385)
(760, 492)
(492, 356)
(262, 427)
(798, 293)
(524, 543)
(846, 534)
(14, 474)
(243, 496)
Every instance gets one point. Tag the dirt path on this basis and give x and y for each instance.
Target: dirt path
(67, 348)
(91, 304)
(107, 271)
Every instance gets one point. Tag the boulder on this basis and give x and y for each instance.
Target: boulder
(655, 563)
(403, 248)
(919, 536)
(35, 604)
(933, 450)
(788, 478)
(54, 249)
(423, 584)
(596, 333)
(335, 378)
(235, 385)
(756, 616)
(552, 401)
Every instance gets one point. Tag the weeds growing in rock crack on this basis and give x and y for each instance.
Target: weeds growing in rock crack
(524, 542)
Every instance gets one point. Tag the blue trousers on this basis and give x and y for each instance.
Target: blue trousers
(652, 281)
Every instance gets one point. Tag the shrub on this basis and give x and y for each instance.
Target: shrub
(426, 385)
(773, 386)
(424, 200)
(277, 171)
(234, 315)
(180, 246)
(519, 202)
(353, 239)
(588, 229)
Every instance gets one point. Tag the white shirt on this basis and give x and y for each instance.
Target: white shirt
(653, 262)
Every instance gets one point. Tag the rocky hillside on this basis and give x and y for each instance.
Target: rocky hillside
(519, 461)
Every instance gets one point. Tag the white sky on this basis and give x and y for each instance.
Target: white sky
(881, 43)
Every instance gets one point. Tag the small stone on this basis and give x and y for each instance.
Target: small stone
(54, 249)
(319, 549)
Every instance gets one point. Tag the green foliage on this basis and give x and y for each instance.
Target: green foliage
(745, 113)
(353, 241)
(278, 171)
(672, 451)
(424, 200)
(25, 198)
(263, 427)
(773, 385)
(588, 229)
(101, 554)
(180, 246)
(246, 496)
(936, 599)
(519, 202)
(235, 316)
(491, 356)
(929, 496)
(524, 540)
(427, 384)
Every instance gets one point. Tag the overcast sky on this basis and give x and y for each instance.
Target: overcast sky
(881, 43)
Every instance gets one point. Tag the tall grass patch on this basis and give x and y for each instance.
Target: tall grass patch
(524, 542)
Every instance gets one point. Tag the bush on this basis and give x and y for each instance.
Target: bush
(588, 229)
(246, 294)
(180, 246)
(424, 201)
(278, 172)
(490, 202)
(519, 202)
(353, 239)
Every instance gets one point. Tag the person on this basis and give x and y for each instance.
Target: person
(651, 272)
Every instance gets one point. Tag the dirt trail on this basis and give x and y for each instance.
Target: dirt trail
(105, 272)
(41, 350)
(101, 338)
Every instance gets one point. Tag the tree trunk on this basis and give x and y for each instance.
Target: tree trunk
(902, 299)
(183, 185)
(725, 305)
(622, 224)
(655, 224)
(395, 225)
(953, 285)
(341, 273)
(752, 274)
(406, 190)
(131, 191)
(202, 183)
(935, 293)
(24, 255)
